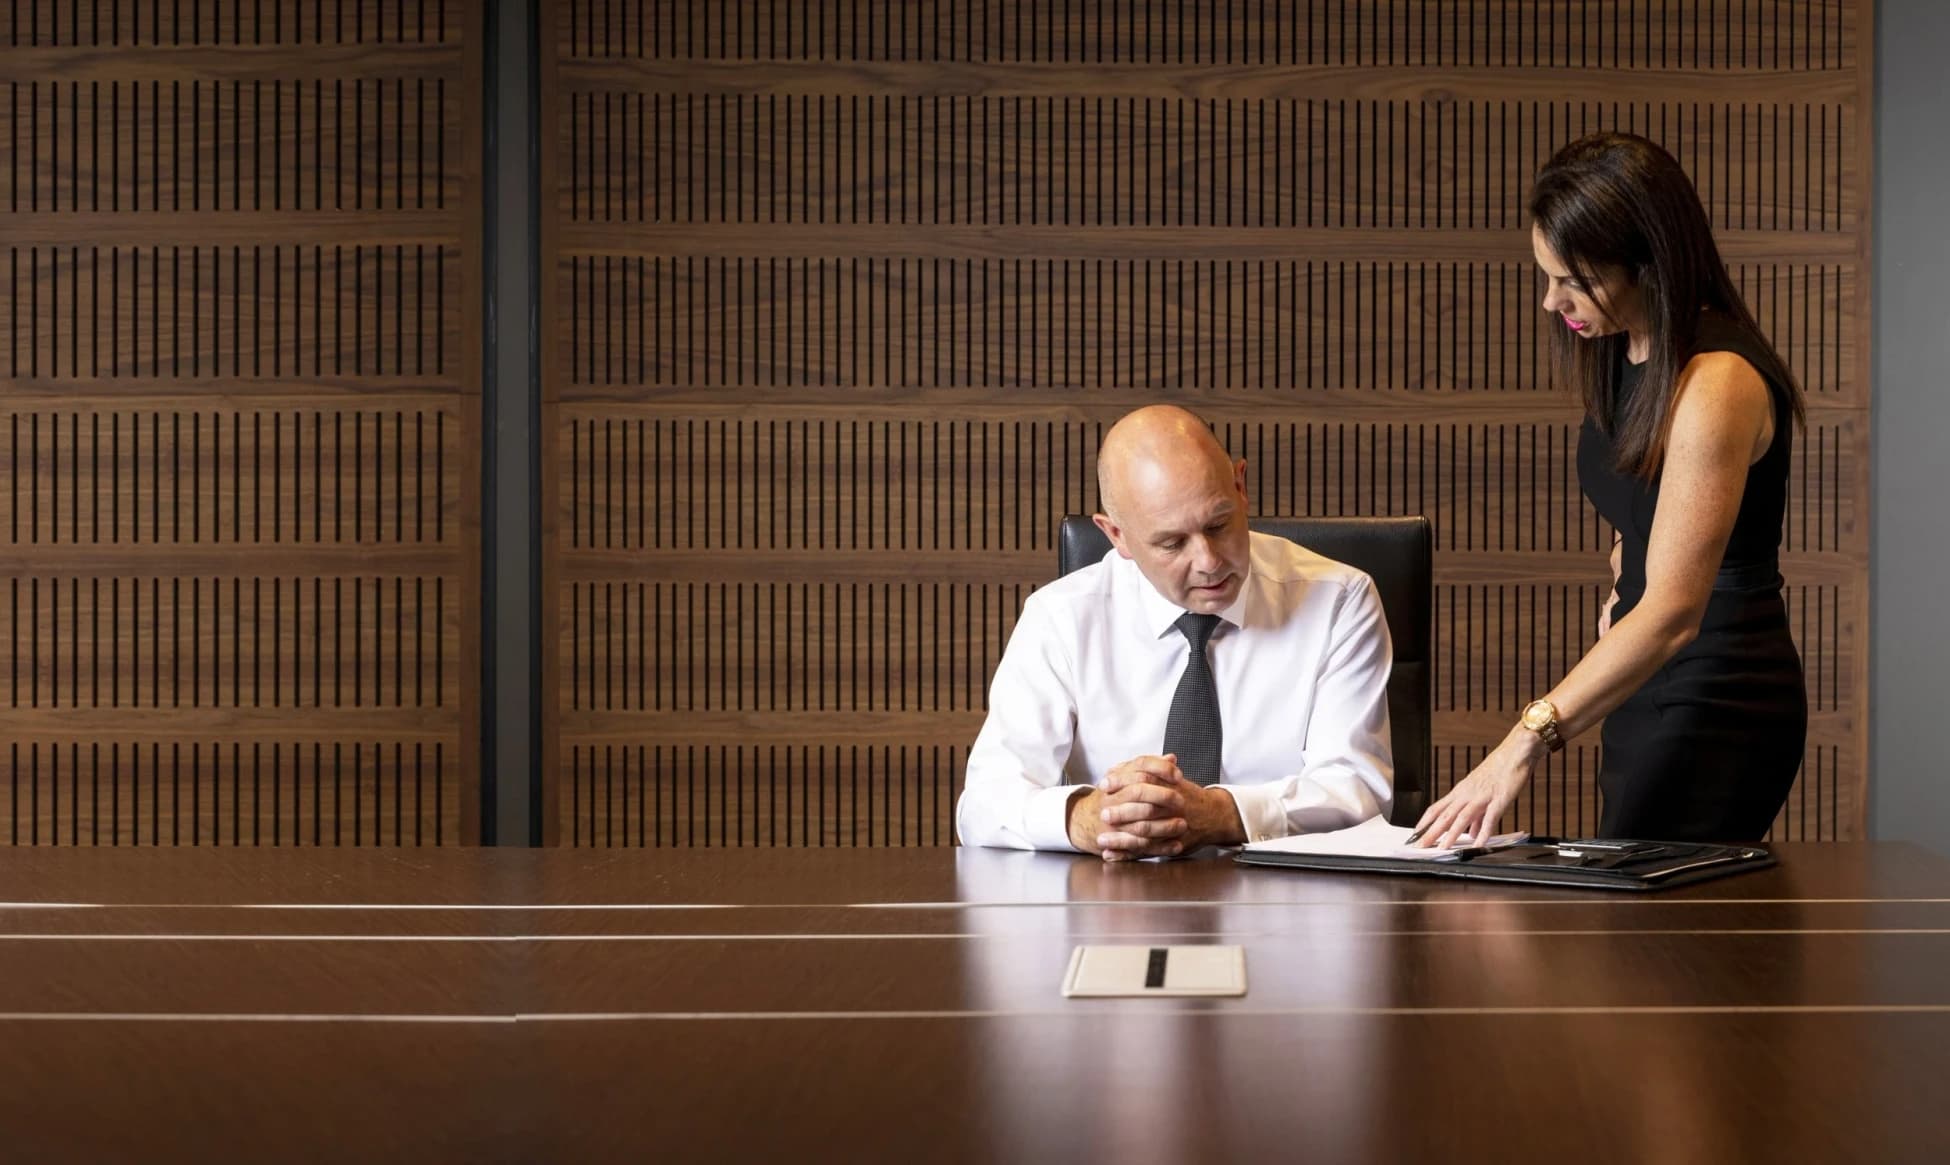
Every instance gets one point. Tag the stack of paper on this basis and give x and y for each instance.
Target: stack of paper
(1375, 838)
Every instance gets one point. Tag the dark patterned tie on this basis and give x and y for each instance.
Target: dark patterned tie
(1192, 731)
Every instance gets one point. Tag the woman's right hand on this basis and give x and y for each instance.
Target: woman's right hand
(1477, 803)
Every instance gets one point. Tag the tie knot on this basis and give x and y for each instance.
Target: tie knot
(1197, 628)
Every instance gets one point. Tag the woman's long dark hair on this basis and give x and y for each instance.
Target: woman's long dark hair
(1617, 200)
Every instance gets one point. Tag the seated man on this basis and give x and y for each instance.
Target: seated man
(1115, 728)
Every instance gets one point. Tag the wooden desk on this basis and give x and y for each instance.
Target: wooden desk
(903, 1005)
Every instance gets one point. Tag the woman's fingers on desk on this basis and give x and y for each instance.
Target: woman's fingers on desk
(1435, 822)
(1465, 810)
(1477, 802)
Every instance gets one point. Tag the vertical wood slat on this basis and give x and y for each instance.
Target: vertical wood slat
(183, 643)
(738, 413)
(105, 475)
(649, 483)
(212, 145)
(228, 793)
(239, 495)
(225, 312)
(771, 795)
(172, 23)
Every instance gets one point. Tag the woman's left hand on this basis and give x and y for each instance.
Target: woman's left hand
(1477, 802)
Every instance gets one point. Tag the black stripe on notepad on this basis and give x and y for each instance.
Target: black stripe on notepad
(1154, 973)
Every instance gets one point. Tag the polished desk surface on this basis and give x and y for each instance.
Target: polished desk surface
(904, 1004)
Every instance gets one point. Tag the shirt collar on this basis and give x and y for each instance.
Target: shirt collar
(1158, 615)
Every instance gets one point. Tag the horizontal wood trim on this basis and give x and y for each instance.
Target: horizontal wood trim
(232, 62)
(1365, 244)
(703, 567)
(1066, 404)
(1062, 404)
(187, 228)
(877, 728)
(387, 394)
(1103, 79)
(101, 725)
(210, 560)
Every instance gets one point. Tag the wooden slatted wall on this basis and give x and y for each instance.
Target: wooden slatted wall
(843, 295)
(239, 419)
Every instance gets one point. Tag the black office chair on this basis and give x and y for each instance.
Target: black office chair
(1398, 553)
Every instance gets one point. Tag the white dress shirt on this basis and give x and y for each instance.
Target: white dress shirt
(1300, 662)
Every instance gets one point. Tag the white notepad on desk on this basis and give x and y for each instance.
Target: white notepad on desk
(1159, 971)
(1375, 838)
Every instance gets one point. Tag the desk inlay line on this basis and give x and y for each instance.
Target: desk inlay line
(1236, 935)
(923, 936)
(241, 1017)
(1571, 897)
(276, 938)
(1112, 1012)
(1146, 1009)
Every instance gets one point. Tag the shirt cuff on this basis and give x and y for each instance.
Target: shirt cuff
(1046, 818)
(1261, 810)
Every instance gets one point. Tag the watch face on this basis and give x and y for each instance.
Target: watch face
(1537, 715)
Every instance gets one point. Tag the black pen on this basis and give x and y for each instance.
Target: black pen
(1416, 836)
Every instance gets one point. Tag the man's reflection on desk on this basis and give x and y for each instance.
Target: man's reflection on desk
(1164, 1077)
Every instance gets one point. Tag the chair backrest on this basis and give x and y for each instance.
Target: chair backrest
(1399, 554)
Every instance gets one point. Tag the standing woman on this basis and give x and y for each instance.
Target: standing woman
(1689, 418)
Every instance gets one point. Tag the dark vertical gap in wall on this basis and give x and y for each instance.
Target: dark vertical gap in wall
(511, 796)
(532, 316)
(490, 396)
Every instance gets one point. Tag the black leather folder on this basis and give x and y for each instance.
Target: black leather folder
(1587, 864)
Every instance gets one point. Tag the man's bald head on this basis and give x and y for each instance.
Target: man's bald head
(1175, 503)
(1158, 448)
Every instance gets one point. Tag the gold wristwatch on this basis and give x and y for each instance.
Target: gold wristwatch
(1540, 716)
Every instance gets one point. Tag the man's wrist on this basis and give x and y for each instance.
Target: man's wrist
(1084, 821)
(1225, 824)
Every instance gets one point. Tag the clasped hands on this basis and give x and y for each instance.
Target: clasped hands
(1146, 808)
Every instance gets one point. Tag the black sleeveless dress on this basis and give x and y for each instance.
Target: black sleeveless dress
(1708, 748)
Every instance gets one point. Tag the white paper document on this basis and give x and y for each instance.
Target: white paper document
(1375, 838)
(1167, 970)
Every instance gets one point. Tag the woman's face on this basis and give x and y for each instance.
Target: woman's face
(1606, 309)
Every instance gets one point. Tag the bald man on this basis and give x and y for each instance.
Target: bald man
(1202, 685)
